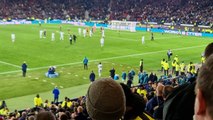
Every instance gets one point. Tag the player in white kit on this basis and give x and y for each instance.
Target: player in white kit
(41, 34)
(53, 36)
(143, 40)
(13, 37)
(84, 32)
(90, 33)
(79, 31)
(103, 34)
(61, 35)
(102, 41)
(99, 69)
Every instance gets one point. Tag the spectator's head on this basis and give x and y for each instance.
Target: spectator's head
(24, 114)
(31, 117)
(105, 100)
(63, 117)
(45, 115)
(204, 92)
(80, 109)
(208, 50)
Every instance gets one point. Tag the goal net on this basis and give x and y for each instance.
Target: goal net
(123, 25)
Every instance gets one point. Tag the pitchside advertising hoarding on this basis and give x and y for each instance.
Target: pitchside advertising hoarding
(183, 33)
(76, 23)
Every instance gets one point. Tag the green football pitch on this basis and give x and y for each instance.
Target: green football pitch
(122, 50)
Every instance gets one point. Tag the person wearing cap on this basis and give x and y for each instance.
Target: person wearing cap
(24, 69)
(105, 100)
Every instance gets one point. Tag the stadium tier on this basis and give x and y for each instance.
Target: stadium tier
(165, 11)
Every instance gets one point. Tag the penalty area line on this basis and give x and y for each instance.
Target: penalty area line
(6, 63)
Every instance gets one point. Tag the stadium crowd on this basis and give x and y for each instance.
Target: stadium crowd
(152, 98)
(165, 11)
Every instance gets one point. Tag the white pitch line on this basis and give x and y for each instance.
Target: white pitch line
(6, 63)
(110, 58)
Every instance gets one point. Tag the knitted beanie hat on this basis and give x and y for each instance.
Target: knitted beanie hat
(105, 100)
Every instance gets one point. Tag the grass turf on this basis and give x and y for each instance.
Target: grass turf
(122, 50)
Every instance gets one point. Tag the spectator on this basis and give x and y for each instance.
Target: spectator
(105, 100)
(45, 115)
(203, 89)
(80, 114)
(155, 101)
(208, 50)
(23, 116)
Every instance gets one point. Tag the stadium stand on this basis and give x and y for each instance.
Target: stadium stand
(165, 11)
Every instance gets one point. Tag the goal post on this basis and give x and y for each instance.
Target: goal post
(123, 25)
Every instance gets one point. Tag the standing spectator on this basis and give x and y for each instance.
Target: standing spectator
(24, 69)
(56, 93)
(99, 69)
(85, 61)
(141, 65)
(92, 76)
(38, 101)
(112, 73)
